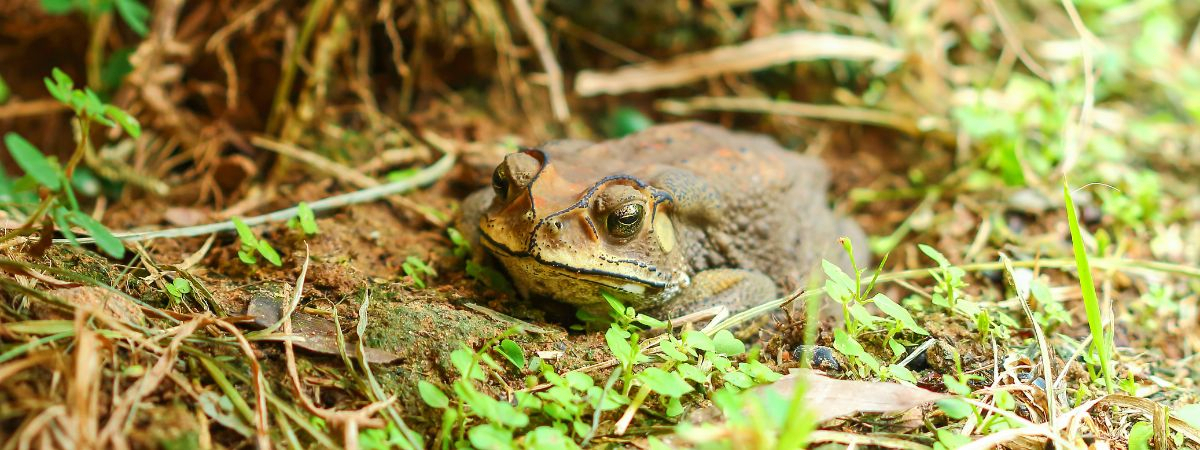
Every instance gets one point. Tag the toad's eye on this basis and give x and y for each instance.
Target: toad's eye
(500, 181)
(626, 220)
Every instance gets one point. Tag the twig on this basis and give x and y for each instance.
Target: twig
(14, 110)
(1010, 37)
(426, 176)
(751, 55)
(1077, 137)
(321, 163)
(554, 78)
(808, 110)
(1039, 336)
(341, 172)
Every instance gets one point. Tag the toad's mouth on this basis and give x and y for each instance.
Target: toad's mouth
(620, 281)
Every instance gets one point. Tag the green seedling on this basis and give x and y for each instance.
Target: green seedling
(252, 245)
(304, 220)
(417, 270)
(45, 174)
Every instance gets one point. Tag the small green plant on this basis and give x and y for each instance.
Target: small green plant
(563, 415)
(304, 220)
(950, 279)
(177, 288)
(850, 293)
(46, 175)
(417, 269)
(252, 245)
(490, 277)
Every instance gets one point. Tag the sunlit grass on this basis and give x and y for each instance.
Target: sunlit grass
(1100, 343)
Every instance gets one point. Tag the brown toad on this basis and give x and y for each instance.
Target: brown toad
(671, 220)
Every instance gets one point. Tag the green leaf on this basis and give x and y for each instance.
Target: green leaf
(247, 257)
(955, 385)
(308, 221)
(173, 292)
(698, 340)
(462, 246)
(490, 437)
(548, 438)
(135, 15)
(4, 91)
(116, 66)
(59, 214)
(32, 161)
(937, 256)
(725, 343)
(244, 234)
(902, 373)
(182, 285)
(618, 344)
(94, 107)
(512, 352)
(1139, 436)
(432, 395)
(104, 238)
(897, 348)
(738, 379)
(626, 120)
(268, 252)
(897, 312)
(955, 408)
(402, 174)
(863, 316)
(850, 347)
(838, 276)
(669, 348)
(690, 372)
(649, 321)
(57, 7)
(420, 265)
(674, 407)
(60, 86)
(1189, 414)
(579, 381)
(464, 360)
(665, 383)
(126, 121)
(951, 440)
(616, 305)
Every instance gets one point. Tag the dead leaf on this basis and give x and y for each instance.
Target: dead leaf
(185, 217)
(832, 398)
(319, 333)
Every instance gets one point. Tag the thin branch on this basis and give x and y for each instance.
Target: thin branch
(541, 43)
(426, 176)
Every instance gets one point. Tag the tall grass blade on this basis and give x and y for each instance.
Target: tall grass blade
(1100, 342)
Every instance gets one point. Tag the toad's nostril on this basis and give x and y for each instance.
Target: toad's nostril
(555, 225)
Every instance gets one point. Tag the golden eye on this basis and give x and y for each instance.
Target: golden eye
(626, 220)
(500, 181)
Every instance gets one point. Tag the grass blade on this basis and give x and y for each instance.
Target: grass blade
(1100, 342)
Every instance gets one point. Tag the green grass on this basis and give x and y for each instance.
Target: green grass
(1101, 344)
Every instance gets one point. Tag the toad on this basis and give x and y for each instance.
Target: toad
(671, 220)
